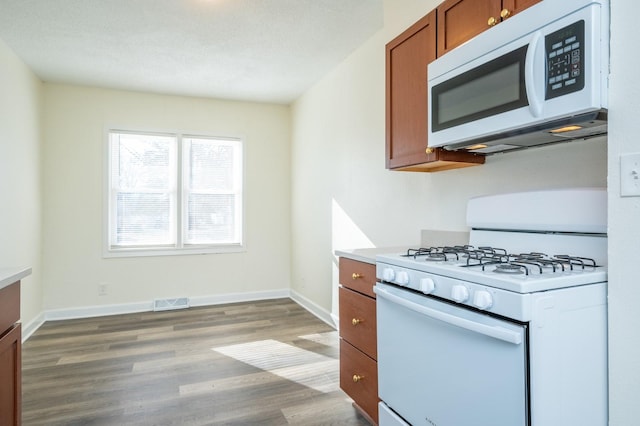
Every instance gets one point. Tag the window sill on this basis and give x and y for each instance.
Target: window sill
(164, 251)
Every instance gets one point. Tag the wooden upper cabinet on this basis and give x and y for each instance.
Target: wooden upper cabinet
(407, 57)
(461, 20)
(516, 6)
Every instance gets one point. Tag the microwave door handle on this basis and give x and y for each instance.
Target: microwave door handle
(534, 82)
(496, 332)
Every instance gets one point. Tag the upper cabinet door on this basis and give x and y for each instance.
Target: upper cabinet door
(516, 6)
(407, 57)
(461, 20)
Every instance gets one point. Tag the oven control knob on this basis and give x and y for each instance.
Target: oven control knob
(459, 293)
(402, 278)
(482, 299)
(427, 285)
(388, 274)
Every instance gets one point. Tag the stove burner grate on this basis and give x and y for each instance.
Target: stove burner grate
(510, 268)
(437, 256)
(501, 260)
(442, 254)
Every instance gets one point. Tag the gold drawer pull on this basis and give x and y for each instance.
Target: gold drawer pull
(428, 151)
(505, 13)
(492, 22)
(357, 378)
(356, 321)
(355, 276)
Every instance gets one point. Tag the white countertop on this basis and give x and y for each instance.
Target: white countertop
(9, 276)
(368, 255)
(429, 238)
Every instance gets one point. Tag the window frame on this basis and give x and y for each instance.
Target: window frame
(180, 248)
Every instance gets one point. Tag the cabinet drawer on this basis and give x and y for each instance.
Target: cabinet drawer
(358, 276)
(9, 306)
(358, 321)
(359, 378)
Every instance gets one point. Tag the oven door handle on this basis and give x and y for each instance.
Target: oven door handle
(496, 332)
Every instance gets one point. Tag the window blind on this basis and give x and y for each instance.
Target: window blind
(173, 191)
(212, 191)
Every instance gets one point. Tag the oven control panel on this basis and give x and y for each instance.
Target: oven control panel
(459, 293)
(482, 299)
(478, 296)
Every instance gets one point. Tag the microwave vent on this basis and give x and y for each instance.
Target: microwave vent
(588, 126)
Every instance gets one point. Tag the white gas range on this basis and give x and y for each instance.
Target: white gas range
(498, 332)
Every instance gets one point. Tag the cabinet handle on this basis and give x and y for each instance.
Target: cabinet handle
(357, 378)
(428, 151)
(492, 22)
(355, 321)
(355, 276)
(505, 13)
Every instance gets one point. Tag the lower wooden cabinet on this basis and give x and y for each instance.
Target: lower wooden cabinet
(358, 340)
(359, 379)
(357, 321)
(10, 356)
(10, 377)
(358, 276)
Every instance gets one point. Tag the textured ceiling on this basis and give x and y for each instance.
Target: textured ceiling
(252, 50)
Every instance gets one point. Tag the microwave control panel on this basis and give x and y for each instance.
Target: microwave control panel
(565, 60)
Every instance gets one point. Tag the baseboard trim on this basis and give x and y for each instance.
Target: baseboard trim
(130, 308)
(220, 299)
(336, 320)
(313, 308)
(97, 311)
(32, 326)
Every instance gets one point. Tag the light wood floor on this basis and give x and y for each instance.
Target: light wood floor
(260, 363)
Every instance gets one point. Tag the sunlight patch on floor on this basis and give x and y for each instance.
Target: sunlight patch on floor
(307, 368)
(329, 338)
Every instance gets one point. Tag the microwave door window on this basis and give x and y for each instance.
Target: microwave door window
(485, 93)
(489, 89)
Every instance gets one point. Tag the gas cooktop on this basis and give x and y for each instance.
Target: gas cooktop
(495, 267)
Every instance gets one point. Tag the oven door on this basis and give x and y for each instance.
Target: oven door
(444, 365)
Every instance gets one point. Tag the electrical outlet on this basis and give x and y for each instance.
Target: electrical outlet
(630, 175)
(103, 289)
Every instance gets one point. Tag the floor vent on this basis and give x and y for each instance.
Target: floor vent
(169, 304)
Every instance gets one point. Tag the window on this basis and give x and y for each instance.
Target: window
(173, 193)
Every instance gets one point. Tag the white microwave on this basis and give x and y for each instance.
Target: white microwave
(539, 77)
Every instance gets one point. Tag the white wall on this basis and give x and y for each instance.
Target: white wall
(74, 152)
(20, 220)
(624, 219)
(338, 169)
